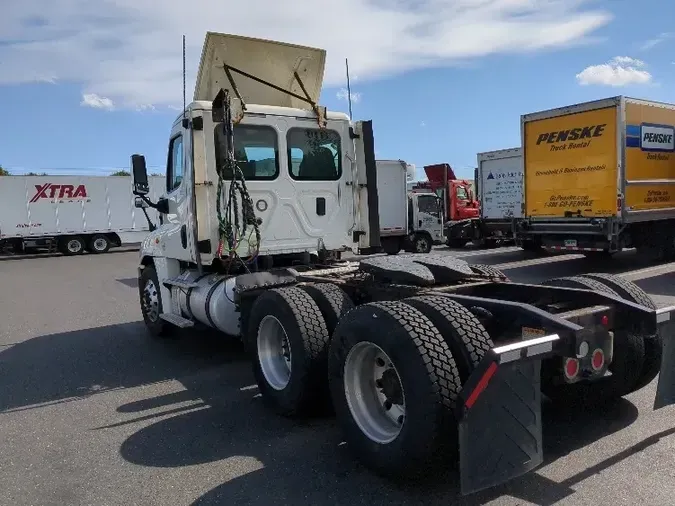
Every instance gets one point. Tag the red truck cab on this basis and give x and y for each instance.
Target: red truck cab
(459, 200)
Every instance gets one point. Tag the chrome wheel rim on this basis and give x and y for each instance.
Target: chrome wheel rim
(100, 244)
(374, 392)
(151, 301)
(421, 245)
(74, 246)
(274, 352)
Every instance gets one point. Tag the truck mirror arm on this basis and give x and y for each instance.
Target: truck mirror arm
(162, 206)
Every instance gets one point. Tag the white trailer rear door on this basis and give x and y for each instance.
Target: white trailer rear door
(501, 184)
(392, 196)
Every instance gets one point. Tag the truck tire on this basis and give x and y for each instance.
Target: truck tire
(653, 344)
(151, 303)
(463, 333)
(99, 244)
(456, 243)
(73, 245)
(626, 366)
(417, 369)
(332, 300)
(530, 245)
(488, 271)
(391, 246)
(289, 342)
(579, 282)
(422, 243)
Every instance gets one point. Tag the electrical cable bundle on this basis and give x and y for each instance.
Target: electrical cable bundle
(231, 230)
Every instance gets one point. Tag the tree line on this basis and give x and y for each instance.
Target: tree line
(5, 172)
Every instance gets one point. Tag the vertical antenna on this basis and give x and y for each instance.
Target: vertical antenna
(184, 99)
(349, 90)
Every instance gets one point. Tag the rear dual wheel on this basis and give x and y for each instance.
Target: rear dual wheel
(395, 372)
(395, 369)
(289, 332)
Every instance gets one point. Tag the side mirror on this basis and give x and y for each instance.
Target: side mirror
(140, 203)
(140, 173)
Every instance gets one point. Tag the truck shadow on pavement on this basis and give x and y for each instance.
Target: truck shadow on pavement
(219, 419)
(69, 366)
(266, 458)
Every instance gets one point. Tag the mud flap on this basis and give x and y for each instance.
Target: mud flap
(500, 428)
(665, 390)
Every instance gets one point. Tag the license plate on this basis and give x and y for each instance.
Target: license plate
(570, 243)
(531, 333)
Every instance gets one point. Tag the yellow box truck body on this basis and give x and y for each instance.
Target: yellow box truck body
(593, 171)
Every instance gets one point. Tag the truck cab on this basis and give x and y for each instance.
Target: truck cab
(459, 202)
(425, 215)
(309, 178)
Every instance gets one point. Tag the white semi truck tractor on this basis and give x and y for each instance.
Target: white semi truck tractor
(428, 361)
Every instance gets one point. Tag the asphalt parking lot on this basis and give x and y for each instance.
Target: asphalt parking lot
(94, 412)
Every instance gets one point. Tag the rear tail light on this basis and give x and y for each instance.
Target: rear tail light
(571, 368)
(597, 359)
(604, 320)
(619, 200)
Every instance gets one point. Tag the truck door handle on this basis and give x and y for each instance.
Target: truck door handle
(420, 224)
(183, 236)
(321, 206)
(439, 221)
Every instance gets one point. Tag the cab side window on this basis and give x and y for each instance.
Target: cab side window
(314, 154)
(429, 204)
(461, 193)
(174, 166)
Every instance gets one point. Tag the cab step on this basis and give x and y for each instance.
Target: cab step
(176, 320)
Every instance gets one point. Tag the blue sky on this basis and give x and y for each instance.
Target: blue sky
(86, 83)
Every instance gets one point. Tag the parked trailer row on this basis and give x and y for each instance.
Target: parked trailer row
(72, 214)
(422, 357)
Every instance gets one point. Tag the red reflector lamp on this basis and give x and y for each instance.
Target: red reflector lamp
(604, 320)
(571, 367)
(597, 360)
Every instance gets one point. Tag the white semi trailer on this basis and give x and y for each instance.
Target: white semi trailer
(422, 356)
(72, 214)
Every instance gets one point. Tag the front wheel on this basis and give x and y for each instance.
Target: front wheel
(151, 303)
(422, 244)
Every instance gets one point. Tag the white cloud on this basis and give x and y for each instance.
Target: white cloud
(342, 94)
(130, 51)
(662, 37)
(619, 71)
(96, 101)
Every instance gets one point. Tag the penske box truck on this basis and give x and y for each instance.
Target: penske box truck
(72, 214)
(599, 177)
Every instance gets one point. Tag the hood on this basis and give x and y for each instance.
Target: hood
(274, 62)
(436, 173)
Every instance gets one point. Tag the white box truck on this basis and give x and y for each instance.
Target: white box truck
(409, 221)
(72, 214)
(499, 182)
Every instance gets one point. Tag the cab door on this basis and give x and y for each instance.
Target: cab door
(178, 230)
(428, 215)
